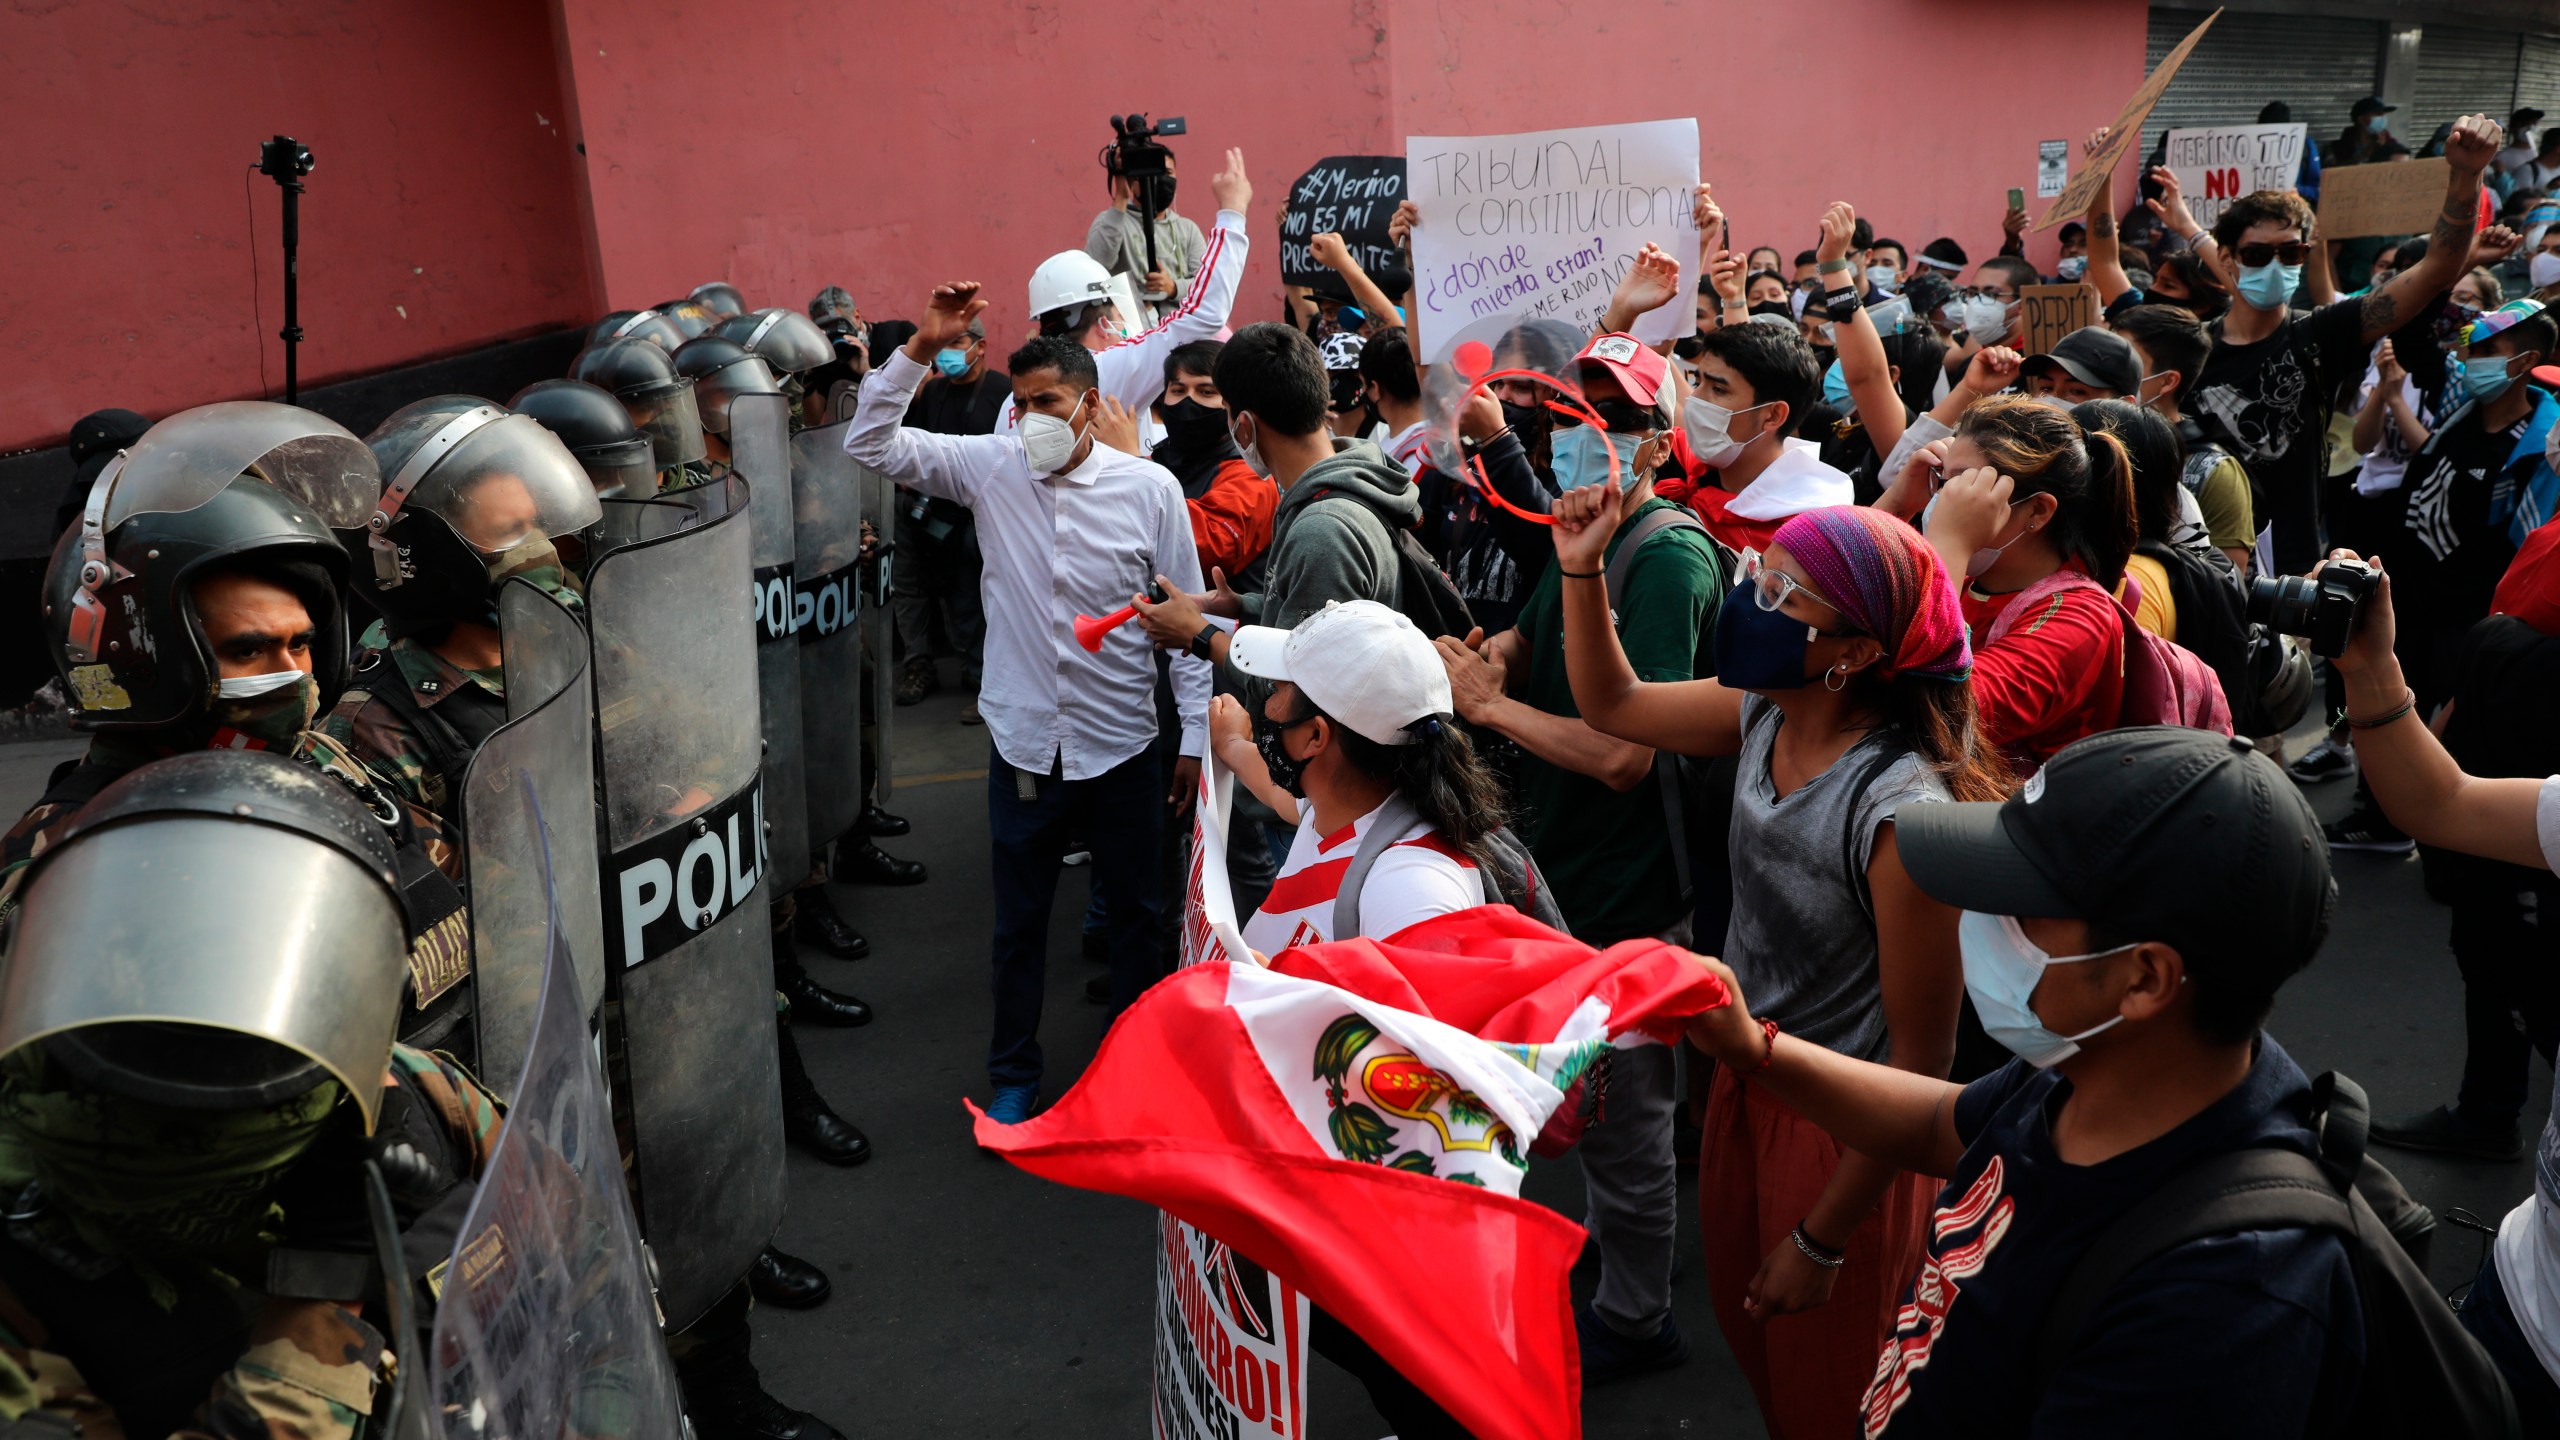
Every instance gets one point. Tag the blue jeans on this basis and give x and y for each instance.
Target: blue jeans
(1120, 813)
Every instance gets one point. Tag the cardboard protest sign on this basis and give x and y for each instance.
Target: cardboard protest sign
(2048, 312)
(1352, 195)
(2392, 197)
(2123, 135)
(2218, 164)
(1542, 225)
(1230, 1339)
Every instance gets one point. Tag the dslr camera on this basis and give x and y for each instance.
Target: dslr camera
(2322, 608)
(1134, 152)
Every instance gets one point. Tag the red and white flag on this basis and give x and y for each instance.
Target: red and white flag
(1356, 1119)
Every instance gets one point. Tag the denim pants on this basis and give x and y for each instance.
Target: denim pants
(1120, 814)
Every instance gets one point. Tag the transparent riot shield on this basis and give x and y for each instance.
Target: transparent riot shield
(760, 449)
(549, 737)
(688, 948)
(545, 1326)
(628, 522)
(826, 488)
(880, 507)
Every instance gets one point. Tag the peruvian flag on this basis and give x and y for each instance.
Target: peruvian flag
(1356, 1119)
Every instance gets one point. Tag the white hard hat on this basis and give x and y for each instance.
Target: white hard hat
(1358, 661)
(1070, 277)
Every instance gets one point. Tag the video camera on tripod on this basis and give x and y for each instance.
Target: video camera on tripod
(1135, 155)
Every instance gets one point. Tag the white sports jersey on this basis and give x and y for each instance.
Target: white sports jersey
(1417, 878)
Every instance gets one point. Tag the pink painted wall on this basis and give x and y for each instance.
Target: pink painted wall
(442, 215)
(885, 148)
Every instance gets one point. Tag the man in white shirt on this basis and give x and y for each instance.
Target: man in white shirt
(1067, 527)
(1070, 295)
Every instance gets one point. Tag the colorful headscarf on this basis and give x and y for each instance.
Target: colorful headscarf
(1878, 572)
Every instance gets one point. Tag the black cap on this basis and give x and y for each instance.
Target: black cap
(2158, 833)
(2373, 105)
(2093, 355)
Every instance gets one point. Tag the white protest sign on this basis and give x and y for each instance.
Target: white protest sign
(1230, 1338)
(2218, 164)
(1543, 225)
(2053, 167)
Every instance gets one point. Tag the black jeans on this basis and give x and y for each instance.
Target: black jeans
(2510, 992)
(1120, 815)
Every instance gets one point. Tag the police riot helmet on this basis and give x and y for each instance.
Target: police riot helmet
(471, 494)
(721, 370)
(690, 317)
(598, 432)
(646, 325)
(643, 377)
(721, 298)
(245, 484)
(210, 997)
(785, 340)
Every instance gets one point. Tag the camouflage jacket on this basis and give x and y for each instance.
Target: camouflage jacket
(310, 1368)
(391, 748)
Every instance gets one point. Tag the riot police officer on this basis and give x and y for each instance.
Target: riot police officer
(598, 432)
(154, 1110)
(721, 370)
(649, 325)
(198, 603)
(719, 297)
(643, 377)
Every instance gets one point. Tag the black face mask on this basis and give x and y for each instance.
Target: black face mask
(1288, 774)
(1160, 192)
(1529, 422)
(1200, 431)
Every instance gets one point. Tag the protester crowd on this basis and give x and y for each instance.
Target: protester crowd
(1842, 639)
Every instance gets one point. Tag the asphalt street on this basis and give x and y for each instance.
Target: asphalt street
(974, 1300)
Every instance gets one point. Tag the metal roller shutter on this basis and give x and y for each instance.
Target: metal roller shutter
(2538, 75)
(2460, 72)
(2320, 67)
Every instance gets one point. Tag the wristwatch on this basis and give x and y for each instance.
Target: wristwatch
(1204, 644)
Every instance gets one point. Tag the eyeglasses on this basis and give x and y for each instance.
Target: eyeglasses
(1770, 589)
(2291, 252)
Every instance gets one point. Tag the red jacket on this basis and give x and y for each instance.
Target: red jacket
(1231, 521)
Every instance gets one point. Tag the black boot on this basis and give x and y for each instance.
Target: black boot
(787, 1281)
(806, 1120)
(862, 862)
(716, 1370)
(876, 821)
(815, 1004)
(819, 924)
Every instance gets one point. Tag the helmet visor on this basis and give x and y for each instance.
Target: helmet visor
(628, 471)
(508, 482)
(189, 458)
(785, 340)
(671, 422)
(713, 392)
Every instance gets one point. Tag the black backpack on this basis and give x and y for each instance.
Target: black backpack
(2423, 1372)
(2248, 658)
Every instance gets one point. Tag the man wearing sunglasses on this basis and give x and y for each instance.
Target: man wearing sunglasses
(2273, 378)
(1595, 814)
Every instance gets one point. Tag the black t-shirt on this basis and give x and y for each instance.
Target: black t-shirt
(2252, 1333)
(2450, 546)
(2269, 404)
(947, 407)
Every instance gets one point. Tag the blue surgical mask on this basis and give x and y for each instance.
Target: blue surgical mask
(2001, 968)
(1759, 649)
(2270, 286)
(2485, 377)
(1581, 456)
(2378, 124)
(951, 361)
(2072, 267)
(1835, 390)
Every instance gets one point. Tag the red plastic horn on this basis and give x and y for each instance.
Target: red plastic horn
(1091, 628)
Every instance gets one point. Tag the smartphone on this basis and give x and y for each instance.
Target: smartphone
(2017, 198)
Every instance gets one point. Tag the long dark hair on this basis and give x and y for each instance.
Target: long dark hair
(1937, 717)
(2158, 459)
(1439, 775)
(2043, 449)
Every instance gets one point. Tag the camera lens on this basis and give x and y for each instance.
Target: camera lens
(2283, 603)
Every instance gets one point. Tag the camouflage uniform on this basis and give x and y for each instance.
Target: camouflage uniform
(471, 702)
(307, 1370)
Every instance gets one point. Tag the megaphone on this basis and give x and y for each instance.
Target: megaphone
(1091, 628)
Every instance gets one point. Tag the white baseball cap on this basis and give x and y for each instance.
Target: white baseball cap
(1358, 661)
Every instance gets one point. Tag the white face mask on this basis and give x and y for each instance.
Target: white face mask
(250, 687)
(1049, 443)
(1709, 427)
(2544, 268)
(2001, 968)
(1252, 453)
(1986, 319)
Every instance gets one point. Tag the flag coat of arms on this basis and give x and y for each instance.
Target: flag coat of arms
(1356, 1119)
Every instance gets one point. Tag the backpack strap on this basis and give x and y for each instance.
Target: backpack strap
(448, 749)
(1666, 766)
(1395, 821)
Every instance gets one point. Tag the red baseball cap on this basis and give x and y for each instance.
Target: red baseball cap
(1639, 370)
